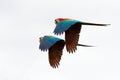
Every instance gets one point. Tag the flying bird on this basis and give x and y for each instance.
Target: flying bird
(72, 28)
(54, 46)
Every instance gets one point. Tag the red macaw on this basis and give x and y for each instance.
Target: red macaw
(72, 29)
(55, 47)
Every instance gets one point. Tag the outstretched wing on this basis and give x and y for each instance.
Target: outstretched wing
(55, 53)
(72, 37)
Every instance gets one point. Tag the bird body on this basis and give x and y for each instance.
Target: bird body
(65, 24)
(72, 28)
(55, 47)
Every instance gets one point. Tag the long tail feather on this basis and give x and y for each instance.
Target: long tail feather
(96, 24)
(83, 45)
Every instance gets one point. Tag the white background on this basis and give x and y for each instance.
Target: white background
(22, 22)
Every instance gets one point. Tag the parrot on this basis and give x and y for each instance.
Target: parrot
(72, 29)
(55, 47)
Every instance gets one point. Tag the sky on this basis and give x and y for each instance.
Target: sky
(22, 22)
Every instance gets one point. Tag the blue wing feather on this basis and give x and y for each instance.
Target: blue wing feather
(64, 25)
(47, 42)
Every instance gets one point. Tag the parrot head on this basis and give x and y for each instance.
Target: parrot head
(40, 39)
(61, 19)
